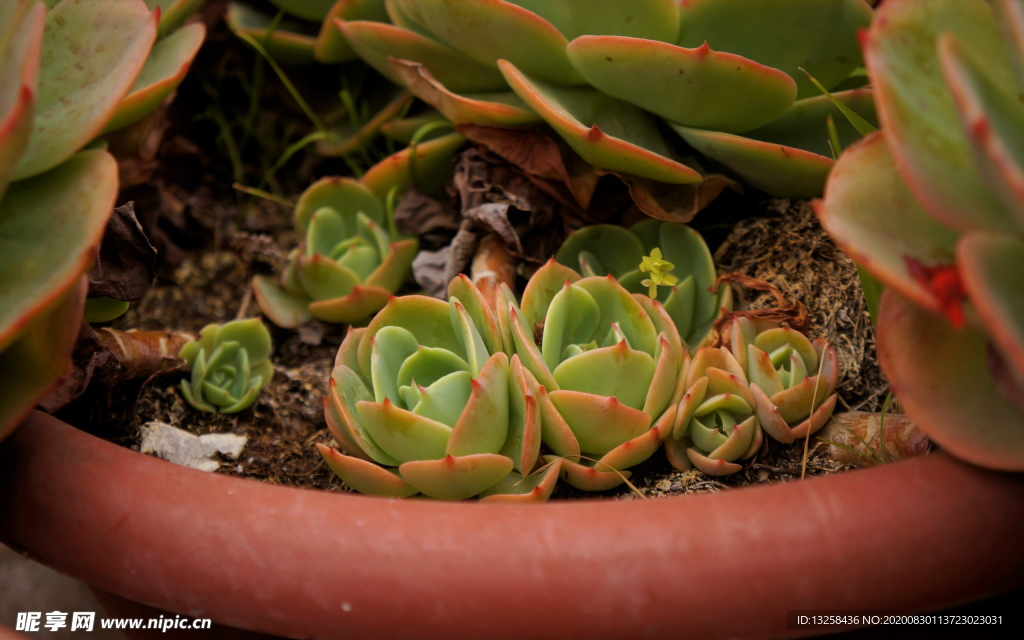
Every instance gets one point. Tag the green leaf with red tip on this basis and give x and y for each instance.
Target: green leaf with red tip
(946, 386)
(402, 434)
(619, 307)
(172, 13)
(555, 432)
(496, 109)
(527, 350)
(331, 45)
(795, 403)
(347, 390)
(376, 42)
(605, 131)
(291, 42)
(483, 425)
(737, 443)
(478, 309)
(992, 275)
(818, 35)
(874, 218)
(468, 336)
(586, 478)
(777, 169)
(599, 423)
(774, 339)
(357, 306)
(695, 87)
(714, 468)
(456, 478)
(992, 118)
(366, 477)
(394, 270)
(610, 371)
(40, 354)
(515, 489)
(805, 125)
(663, 324)
(932, 153)
(789, 157)
(428, 365)
(572, 318)
(323, 278)
(50, 229)
(91, 55)
(349, 349)
(443, 400)
(542, 287)
(675, 453)
(391, 347)
(524, 421)
(708, 357)
(492, 30)
(663, 384)
(344, 195)
(633, 452)
(164, 70)
(427, 318)
(433, 167)
(19, 69)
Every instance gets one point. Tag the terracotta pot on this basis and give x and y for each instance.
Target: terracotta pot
(917, 535)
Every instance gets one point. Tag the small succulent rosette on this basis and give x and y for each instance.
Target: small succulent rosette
(425, 400)
(604, 249)
(716, 426)
(349, 265)
(230, 365)
(792, 379)
(607, 363)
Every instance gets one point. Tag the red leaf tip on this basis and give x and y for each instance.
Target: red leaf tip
(943, 282)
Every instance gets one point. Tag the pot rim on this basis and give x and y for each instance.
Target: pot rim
(304, 563)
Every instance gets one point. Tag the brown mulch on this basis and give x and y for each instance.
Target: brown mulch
(785, 246)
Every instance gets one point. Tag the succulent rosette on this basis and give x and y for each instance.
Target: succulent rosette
(723, 74)
(230, 365)
(606, 249)
(792, 379)
(716, 424)
(425, 400)
(69, 72)
(933, 206)
(607, 364)
(349, 264)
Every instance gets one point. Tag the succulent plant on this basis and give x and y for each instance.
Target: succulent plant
(349, 266)
(230, 365)
(424, 400)
(606, 364)
(933, 206)
(792, 379)
(306, 34)
(605, 249)
(67, 70)
(716, 423)
(724, 74)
